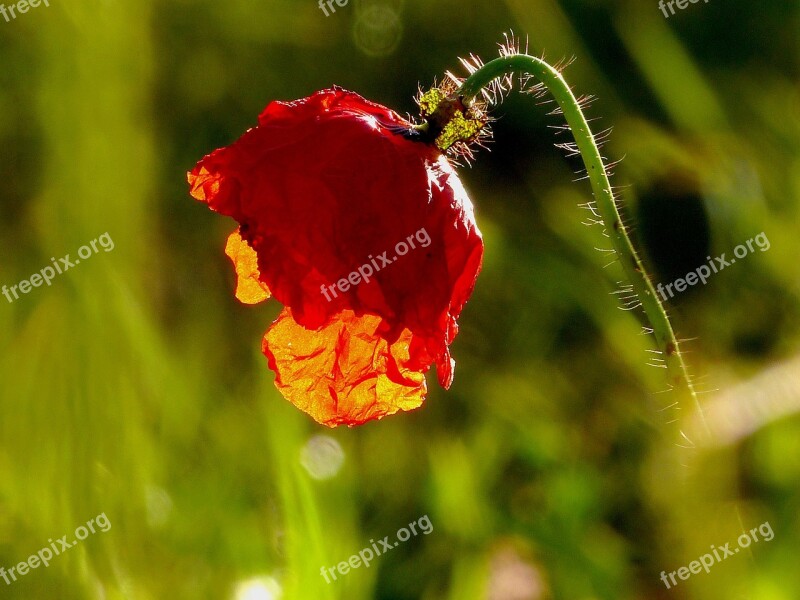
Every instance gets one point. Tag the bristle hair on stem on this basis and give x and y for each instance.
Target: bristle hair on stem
(535, 75)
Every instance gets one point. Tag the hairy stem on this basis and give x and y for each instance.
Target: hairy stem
(523, 64)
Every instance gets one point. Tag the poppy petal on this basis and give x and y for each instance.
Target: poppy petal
(347, 371)
(367, 237)
(249, 287)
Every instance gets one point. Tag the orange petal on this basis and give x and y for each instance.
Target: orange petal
(204, 185)
(249, 288)
(346, 372)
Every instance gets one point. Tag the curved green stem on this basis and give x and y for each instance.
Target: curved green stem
(667, 343)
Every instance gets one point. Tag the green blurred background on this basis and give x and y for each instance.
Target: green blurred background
(135, 386)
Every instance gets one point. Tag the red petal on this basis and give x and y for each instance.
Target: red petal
(331, 186)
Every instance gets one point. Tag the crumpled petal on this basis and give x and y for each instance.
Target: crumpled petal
(346, 371)
(330, 190)
(249, 287)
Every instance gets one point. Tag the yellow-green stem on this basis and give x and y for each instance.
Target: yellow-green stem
(551, 78)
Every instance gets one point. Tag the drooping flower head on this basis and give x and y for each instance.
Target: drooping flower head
(363, 231)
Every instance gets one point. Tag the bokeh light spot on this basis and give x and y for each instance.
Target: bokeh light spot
(258, 588)
(322, 457)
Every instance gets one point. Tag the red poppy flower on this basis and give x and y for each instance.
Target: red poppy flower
(366, 236)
